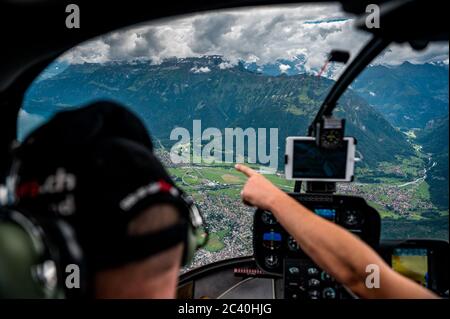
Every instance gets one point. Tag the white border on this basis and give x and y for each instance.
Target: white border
(350, 169)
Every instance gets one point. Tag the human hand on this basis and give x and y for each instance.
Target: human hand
(258, 191)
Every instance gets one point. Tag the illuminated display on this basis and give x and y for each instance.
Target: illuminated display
(326, 213)
(412, 263)
(272, 236)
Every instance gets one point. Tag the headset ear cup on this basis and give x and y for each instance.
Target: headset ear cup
(34, 253)
(26, 269)
(18, 256)
(190, 246)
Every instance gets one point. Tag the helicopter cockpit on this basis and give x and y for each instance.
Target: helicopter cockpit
(357, 99)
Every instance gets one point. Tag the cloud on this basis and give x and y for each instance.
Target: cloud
(198, 70)
(210, 32)
(91, 52)
(284, 68)
(262, 35)
(225, 65)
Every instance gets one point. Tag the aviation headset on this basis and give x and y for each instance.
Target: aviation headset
(74, 210)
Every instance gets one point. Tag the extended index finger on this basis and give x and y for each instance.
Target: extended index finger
(245, 170)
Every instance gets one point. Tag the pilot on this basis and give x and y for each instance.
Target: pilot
(95, 169)
(331, 247)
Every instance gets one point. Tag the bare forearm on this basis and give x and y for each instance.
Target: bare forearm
(331, 247)
(340, 253)
(335, 250)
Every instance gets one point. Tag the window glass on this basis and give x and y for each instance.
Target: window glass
(260, 75)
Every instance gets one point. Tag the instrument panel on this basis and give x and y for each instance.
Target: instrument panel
(272, 244)
(277, 253)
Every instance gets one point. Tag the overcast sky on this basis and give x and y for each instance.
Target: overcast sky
(260, 34)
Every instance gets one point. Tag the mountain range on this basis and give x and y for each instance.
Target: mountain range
(176, 92)
(409, 95)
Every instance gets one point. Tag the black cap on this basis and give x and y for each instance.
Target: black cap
(95, 168)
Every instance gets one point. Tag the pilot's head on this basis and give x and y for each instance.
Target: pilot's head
(95, 170)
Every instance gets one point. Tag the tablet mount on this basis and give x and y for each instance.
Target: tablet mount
(329, 133)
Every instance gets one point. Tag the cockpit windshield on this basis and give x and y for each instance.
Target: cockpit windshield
(230, 86)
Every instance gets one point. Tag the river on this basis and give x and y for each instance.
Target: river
(431, 165)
